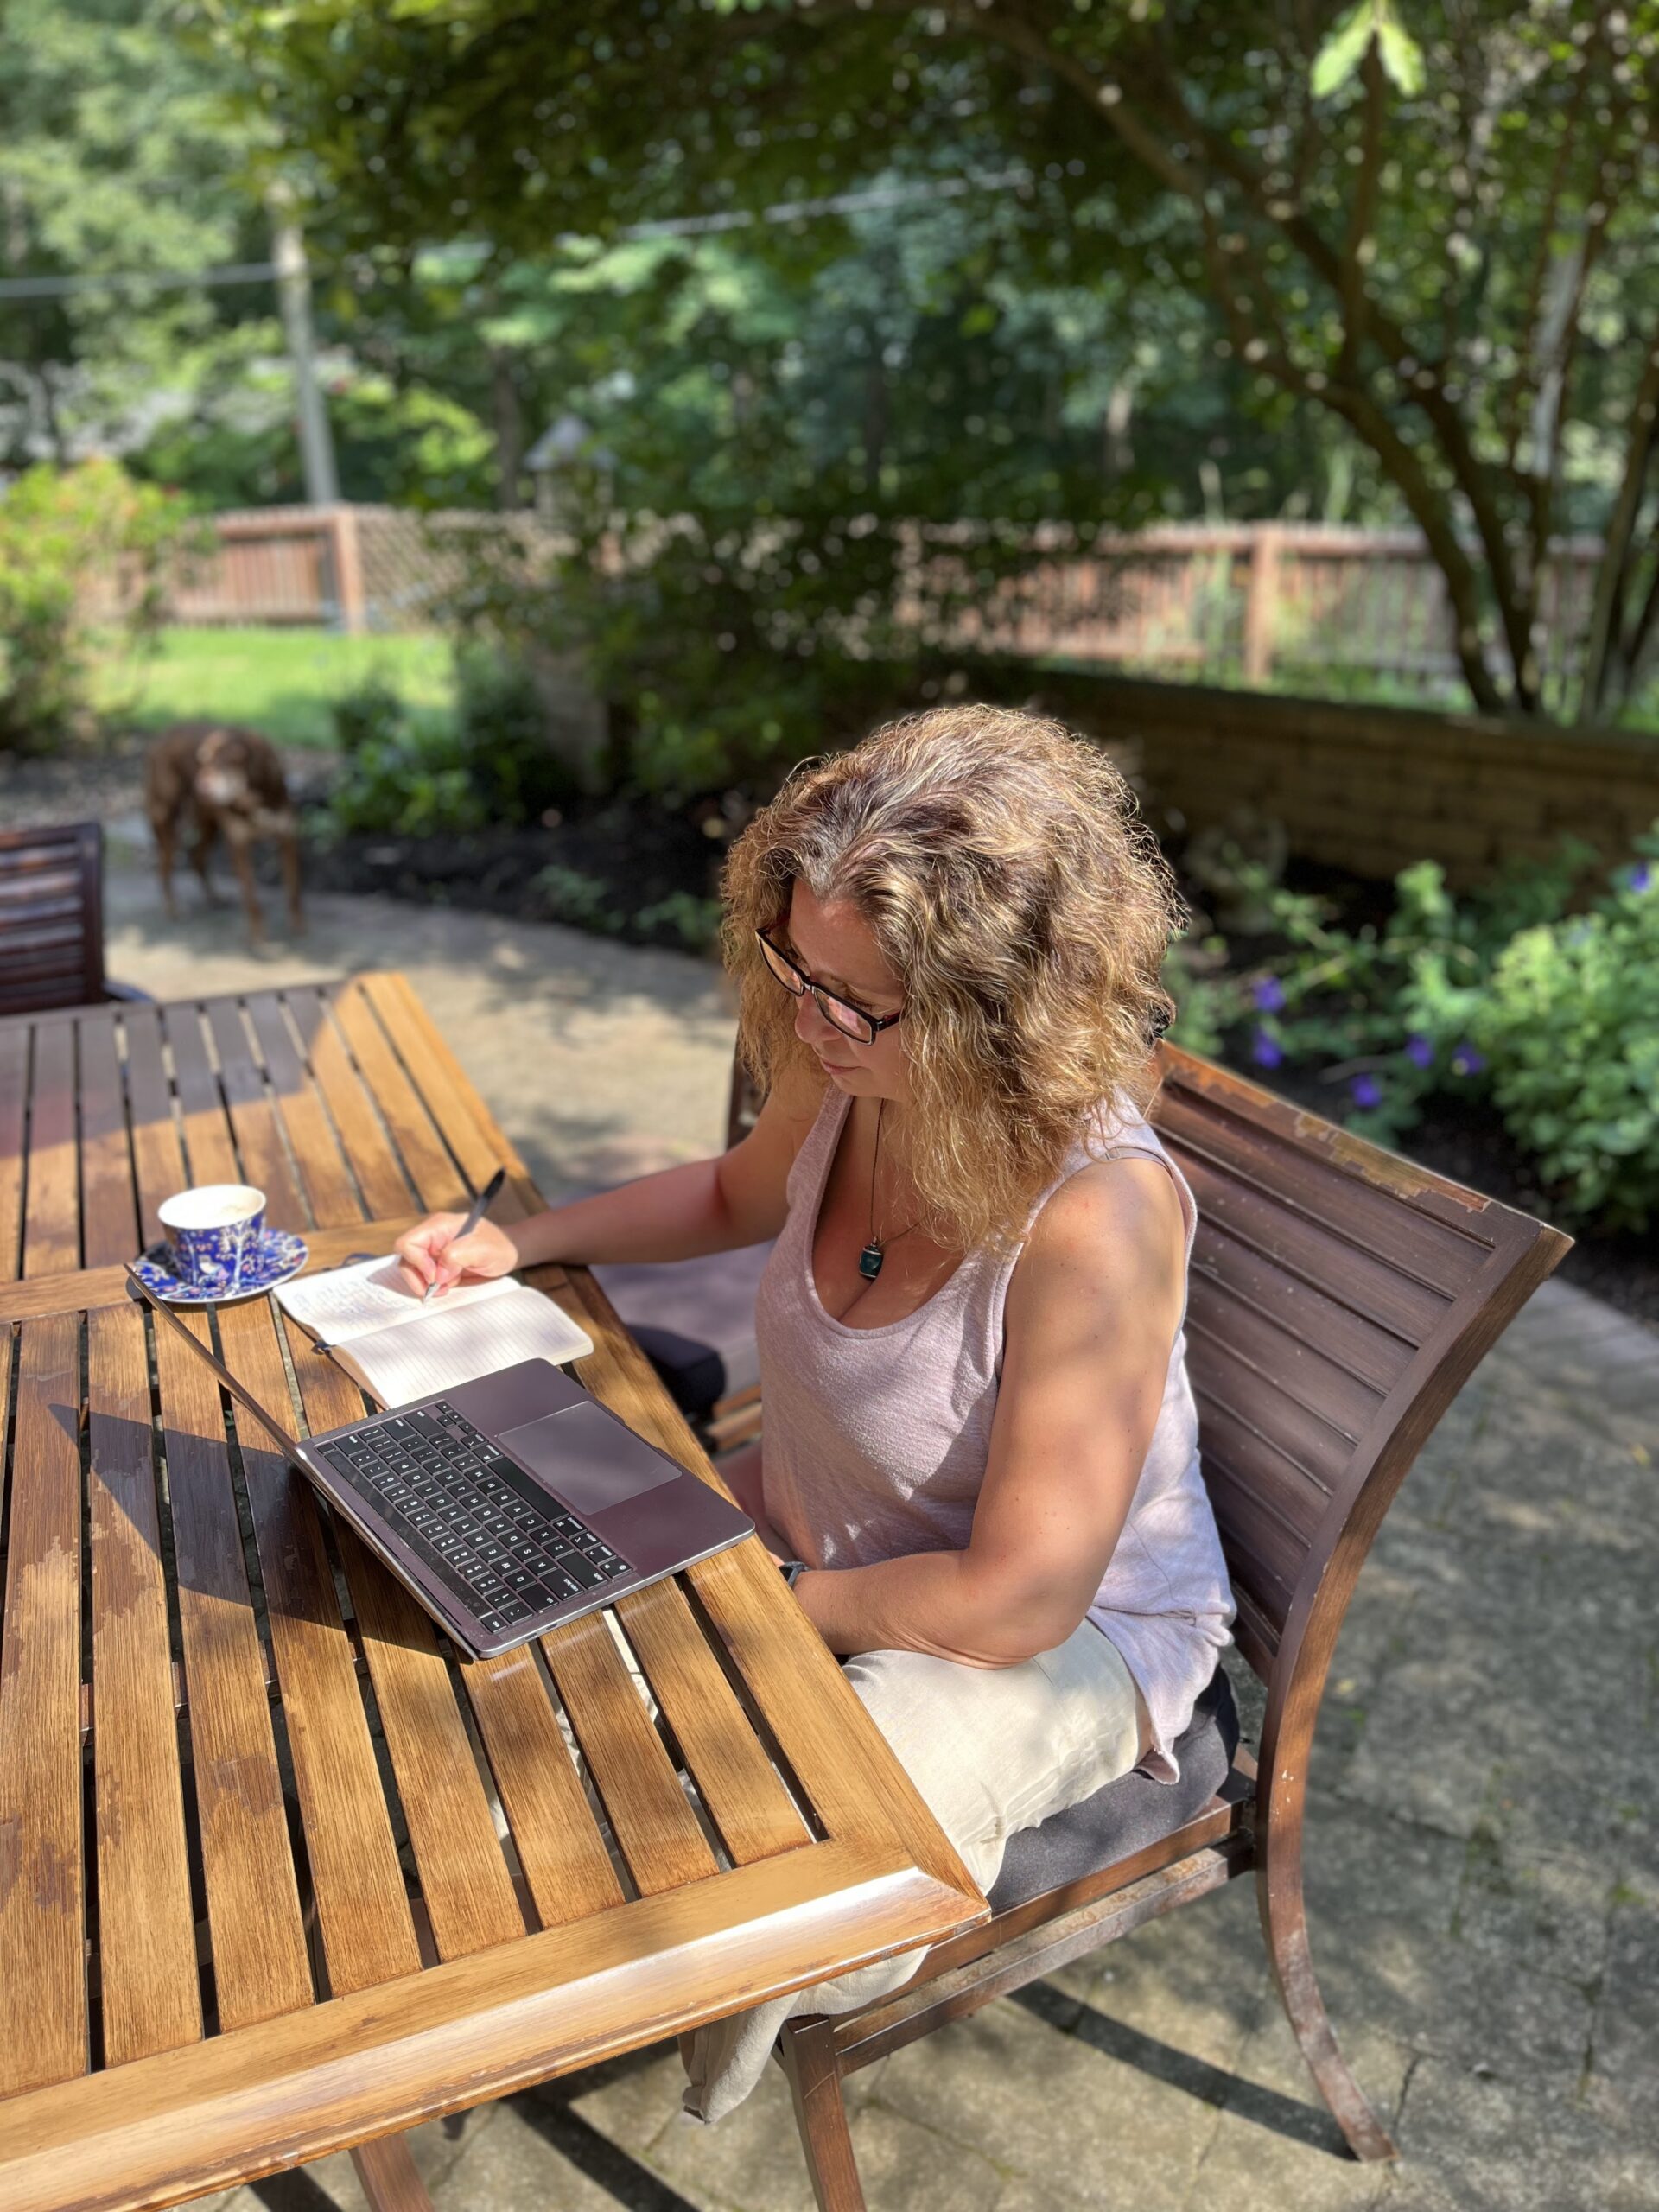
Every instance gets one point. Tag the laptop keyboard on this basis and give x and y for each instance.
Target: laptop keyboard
(489, 1534)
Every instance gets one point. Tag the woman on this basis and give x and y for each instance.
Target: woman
(980, 1464)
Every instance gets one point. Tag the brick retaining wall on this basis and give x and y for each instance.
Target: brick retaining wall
(1371, 788)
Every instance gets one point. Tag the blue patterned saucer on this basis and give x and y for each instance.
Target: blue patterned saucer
(276, 1255)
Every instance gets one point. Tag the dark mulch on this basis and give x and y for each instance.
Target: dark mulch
(626, 858)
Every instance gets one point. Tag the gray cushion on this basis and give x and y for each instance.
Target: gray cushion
(1128, 1813)
(693, 1320)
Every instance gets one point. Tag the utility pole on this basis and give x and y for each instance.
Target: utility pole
(294, 290)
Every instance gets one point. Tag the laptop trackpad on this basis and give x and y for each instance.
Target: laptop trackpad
(591, 1460)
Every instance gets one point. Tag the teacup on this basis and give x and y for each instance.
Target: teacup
(211, 1231)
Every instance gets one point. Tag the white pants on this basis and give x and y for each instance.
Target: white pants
(992, 1750)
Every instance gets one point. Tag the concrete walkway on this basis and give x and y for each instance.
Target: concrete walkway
(1482, 1865)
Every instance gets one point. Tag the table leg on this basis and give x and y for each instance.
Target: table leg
(387, 2173)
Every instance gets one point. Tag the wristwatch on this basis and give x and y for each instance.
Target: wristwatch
(791, 1570)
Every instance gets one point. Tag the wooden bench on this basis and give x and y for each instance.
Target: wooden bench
(52, 920)
(1340, 1297)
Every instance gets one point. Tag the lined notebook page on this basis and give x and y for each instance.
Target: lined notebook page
(342, 1303)
(421, 1359)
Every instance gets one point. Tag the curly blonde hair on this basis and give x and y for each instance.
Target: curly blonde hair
(1000, 863)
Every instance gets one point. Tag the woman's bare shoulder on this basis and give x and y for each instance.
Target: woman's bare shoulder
(1120, 1219)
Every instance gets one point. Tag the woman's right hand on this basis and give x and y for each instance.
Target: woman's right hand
(433, 1254)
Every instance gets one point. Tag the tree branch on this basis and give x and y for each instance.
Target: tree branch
(1611, 577)
(1362, 213)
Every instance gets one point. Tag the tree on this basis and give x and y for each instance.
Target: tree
(1433, 233)
(122, 156)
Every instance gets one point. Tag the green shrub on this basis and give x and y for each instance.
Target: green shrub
(1565, 1033)
(1551, 1015)
(583, 901)
(76, 544)
(503, 738)
(695, 921)
(407, 776)
(414, 784)
(373, 714)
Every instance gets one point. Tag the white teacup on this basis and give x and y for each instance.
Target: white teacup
(211, 1231)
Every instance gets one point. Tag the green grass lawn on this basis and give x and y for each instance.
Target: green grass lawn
(281, 681)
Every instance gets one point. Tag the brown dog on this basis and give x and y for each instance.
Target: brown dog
(232, 782)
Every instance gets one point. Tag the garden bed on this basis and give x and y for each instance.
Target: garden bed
(629, 870)
(1460, 1138)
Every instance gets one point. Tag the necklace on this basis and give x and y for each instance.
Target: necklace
(870, 1259)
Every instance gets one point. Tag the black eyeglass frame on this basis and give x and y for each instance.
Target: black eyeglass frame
(876, 1022)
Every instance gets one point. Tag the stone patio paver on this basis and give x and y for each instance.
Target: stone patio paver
(1484, 1878)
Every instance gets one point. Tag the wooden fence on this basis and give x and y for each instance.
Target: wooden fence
(1238, 600)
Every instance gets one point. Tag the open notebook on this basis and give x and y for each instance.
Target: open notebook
(401, 1350)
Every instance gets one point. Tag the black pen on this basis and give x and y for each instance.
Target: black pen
(475, 1213)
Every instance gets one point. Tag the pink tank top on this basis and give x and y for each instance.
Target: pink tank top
(876, 1440)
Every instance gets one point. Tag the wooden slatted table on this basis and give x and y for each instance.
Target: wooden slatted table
(278, 1874)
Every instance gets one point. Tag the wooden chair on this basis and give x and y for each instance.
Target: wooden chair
(52, 920)
(1339, 1298)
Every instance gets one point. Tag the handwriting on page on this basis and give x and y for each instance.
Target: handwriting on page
(350, 1302)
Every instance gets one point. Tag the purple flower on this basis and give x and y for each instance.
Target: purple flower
(1466, 1060)
(1420, 1050)
(1639, 879)
(1269, 994)
(1365, 1091)
(1266, 1051)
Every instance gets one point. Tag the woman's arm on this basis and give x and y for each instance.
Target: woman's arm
(1092, 1315)
(706, 1206)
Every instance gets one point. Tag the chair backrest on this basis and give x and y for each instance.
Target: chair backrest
(51, 917)
(1339, 1297)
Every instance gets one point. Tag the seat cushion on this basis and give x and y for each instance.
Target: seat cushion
(1129, 1814)
(694, 1320)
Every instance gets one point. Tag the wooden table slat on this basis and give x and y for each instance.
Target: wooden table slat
(801, 1694)
(386, 1189)
(425, 1160)
(52, 1228)
(739, 1784)
(157, 1155)
(264, 1157)
(147, 1943)
(42, 1885)
(14, 1109)
(560, 1849)
(109, 1209)
(260, 1966)
(211, 1155)
(469, 1127)
(368, 1936)
(806, 1702)
(464, 1878)
(317, 1155)
(656, 1830)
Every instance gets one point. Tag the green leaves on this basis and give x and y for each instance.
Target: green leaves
(67, 537)
(1346, 48)
(1550, 1014)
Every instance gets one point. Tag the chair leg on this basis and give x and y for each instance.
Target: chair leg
(807, 2049)
(1284, 1923)
(387, 2173)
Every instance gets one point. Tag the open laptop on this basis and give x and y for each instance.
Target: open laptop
(506, 1505)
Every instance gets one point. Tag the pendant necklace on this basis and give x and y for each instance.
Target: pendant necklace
(870, 1259)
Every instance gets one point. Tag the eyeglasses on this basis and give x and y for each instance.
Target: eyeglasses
(851, 1020)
